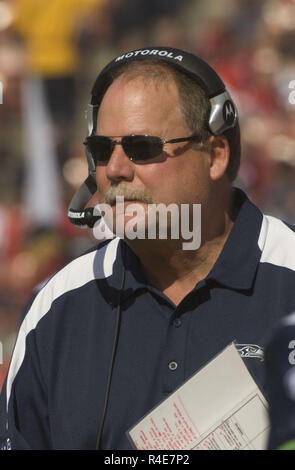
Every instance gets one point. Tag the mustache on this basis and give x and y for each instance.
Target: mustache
(131, 194)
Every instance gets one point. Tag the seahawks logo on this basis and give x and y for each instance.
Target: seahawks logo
(250, 350)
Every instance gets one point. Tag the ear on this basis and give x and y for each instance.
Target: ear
(219, 154)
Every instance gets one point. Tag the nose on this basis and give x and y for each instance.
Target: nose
(119, 167)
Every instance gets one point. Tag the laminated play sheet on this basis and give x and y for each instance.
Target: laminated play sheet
(220, 407)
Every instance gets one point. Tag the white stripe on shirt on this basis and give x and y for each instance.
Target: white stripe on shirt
(277, 243)
(94, 265)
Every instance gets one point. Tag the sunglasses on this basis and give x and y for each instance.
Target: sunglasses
(139, 148)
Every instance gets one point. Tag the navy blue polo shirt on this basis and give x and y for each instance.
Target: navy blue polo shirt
(54, 394)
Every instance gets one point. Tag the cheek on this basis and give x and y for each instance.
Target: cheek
(102, 182)
(181, 182)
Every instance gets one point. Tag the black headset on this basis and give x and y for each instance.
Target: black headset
(223, 114)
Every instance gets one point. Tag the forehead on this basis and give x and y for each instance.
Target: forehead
(135, 100)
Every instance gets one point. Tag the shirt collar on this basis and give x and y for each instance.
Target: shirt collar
(235, 267)
(127, 275)
(237, 264)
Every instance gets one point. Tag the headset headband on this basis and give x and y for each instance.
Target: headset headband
(204, 75)
(223, 113)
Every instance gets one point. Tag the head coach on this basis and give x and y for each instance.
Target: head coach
(122, 326)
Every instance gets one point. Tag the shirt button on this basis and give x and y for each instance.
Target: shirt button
(173, 365)
(177, 322)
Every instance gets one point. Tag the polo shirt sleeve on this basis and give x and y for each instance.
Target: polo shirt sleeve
(24, 422)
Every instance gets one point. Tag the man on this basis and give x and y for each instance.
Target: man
(121, 327)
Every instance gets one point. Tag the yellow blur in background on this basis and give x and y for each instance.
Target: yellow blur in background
(49, 29)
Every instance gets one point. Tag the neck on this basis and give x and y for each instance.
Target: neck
(176, 271)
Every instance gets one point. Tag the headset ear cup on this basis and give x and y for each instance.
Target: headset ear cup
(223, 114)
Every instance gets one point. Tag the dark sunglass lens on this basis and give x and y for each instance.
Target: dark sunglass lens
(100, 148)
(141, 147)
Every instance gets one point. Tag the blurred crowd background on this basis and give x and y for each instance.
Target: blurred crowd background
(50, 54)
